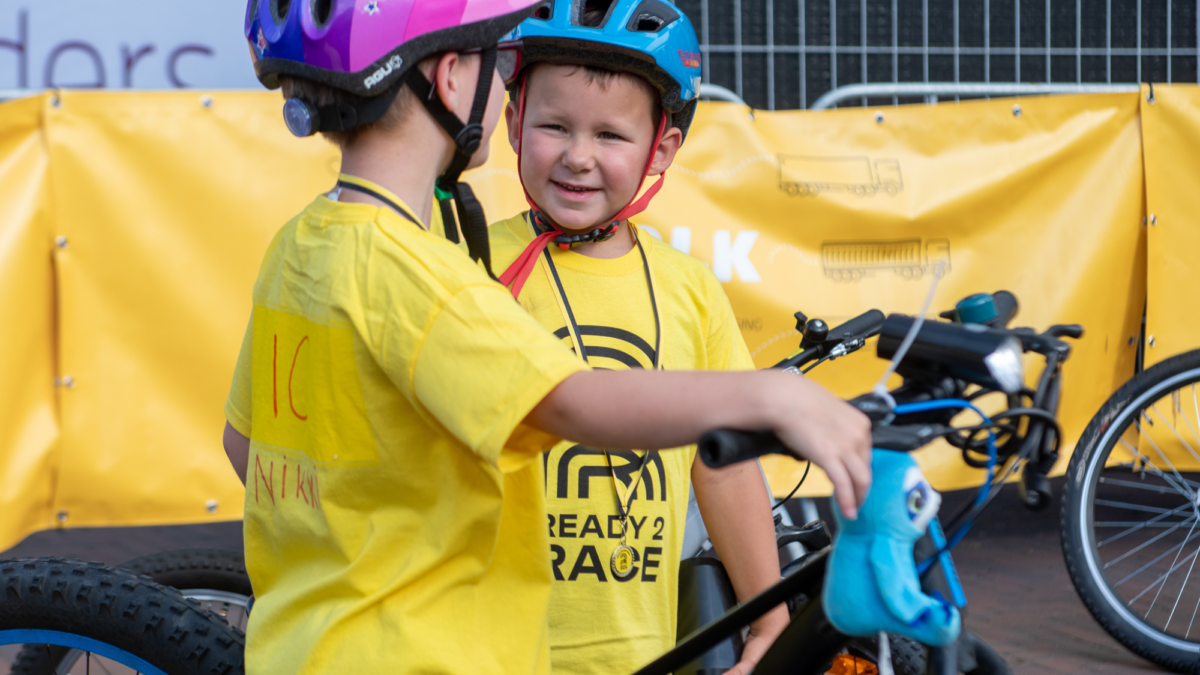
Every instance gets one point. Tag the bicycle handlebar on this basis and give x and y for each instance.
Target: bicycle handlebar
(723, 447)
(942, 359)
(850, 336)
(864, 325)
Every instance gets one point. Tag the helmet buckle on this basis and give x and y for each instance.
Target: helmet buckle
(469, 138)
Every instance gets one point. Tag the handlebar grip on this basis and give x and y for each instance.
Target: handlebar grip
(863, 325)
(723, 447)
(1006, 308)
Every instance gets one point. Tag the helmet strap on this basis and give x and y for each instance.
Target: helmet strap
(566, 241)
(467, 139)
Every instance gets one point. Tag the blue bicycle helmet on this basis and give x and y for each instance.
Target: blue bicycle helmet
(650, 38)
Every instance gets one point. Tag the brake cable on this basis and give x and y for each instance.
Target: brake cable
(952, 539)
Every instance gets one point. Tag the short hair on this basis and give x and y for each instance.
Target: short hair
(322, 95)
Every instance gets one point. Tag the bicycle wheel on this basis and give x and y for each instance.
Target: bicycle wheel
(1131, 514)
(214, 578)
(119, 622)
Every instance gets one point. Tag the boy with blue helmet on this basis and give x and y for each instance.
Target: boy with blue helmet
(390, 400)
(604, 99)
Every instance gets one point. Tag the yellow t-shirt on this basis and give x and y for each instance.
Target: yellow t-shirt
(394, 500)
(598, 623)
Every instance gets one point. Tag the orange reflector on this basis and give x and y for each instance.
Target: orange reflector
(845, 664)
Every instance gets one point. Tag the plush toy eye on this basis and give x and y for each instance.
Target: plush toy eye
(916, 500)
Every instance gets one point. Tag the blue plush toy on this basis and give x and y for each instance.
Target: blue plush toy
(872, 584)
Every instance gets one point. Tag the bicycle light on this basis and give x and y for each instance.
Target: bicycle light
(984, 356)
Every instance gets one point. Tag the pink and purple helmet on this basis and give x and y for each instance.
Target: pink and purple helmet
(365, 46)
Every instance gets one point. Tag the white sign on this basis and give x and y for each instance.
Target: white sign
(124, 44)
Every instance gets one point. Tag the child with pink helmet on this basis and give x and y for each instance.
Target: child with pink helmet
(391, 401)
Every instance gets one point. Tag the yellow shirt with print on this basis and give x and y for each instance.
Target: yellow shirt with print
(394, 516)
(599, 623)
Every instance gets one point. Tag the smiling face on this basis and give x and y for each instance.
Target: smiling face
(585, 142)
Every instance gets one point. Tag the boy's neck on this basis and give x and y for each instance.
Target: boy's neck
(614, 247)
(405, 161)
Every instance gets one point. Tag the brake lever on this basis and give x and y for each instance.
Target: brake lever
(1070, 330)
(1045, 343)
(813, 537)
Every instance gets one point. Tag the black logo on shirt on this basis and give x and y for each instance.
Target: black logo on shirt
(625, 464)
(628, 358)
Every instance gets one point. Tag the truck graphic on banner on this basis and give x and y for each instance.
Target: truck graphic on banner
(907, 258)
(801, 175)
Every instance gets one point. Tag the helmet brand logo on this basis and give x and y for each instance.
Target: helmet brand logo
(689, 59)
(377, 76)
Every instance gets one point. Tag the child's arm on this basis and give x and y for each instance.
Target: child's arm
(737, 514)
(641, 409)
(237, 449)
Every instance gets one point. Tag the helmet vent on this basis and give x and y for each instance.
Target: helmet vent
(648, 24)
(593, 13)
(321, 10)
(545, 12)
(651, 16)
(280, 10)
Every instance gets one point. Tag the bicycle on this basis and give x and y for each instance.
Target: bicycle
(946, 362)
(1130, 511)
(216, 579)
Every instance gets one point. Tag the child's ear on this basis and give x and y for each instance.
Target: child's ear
(664, 154)
(447, 81)
(514, 132)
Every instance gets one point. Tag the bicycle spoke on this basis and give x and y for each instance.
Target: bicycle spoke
(1136, 485)
(1134, 525)
(1179, 597)
(1150, 439)
(1194, 610)
(1134, 507)
(1188, 422)
(1146, 461)
(1153, 521)
(1160, 579)
(1190, 521)
(1175, 431)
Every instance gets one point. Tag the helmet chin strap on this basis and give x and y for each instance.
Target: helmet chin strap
(549, 231)
(467, 139)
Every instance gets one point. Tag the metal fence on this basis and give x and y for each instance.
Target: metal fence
(779, 54)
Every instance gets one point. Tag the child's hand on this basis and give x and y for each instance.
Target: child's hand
(818, 426)
(763, 634)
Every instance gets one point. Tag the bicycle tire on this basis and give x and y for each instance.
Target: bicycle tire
(987, 661)
(113, 607)
(217, 569)
(908, 656)
(190, 571)
(1135, 635)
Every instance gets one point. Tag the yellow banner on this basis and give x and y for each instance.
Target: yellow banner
(30, 451)
(834, 213)
(1171, 134)
(166, 201)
